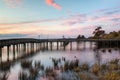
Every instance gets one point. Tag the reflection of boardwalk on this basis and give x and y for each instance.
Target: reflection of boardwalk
(29, 45)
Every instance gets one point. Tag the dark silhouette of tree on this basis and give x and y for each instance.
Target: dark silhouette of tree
(98, 32)
(80, 37)
(83, 37)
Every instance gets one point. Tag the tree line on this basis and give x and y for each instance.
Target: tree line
(99, 33)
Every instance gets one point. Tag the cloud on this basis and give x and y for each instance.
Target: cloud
(13, 3)
(75, 19)
(115, 19)
(95, 17)
(108, 14)
(30, 22)
(107, 9)
(54, 4)
(112, 12)
(106, 18)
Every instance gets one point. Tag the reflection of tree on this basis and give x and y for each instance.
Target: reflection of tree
(98, 57)
(98, 34)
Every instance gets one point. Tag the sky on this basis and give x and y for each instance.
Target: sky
(55, 18)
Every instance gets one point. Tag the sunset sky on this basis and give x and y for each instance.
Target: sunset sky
(54, 18)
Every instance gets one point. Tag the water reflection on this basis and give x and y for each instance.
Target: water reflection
(84, 55)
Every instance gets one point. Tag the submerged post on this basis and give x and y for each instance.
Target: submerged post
(43, 45)
(36, 48)
(90, 45)
(24, 46)
(57, 45)
(39, 46)
(71, 45)
(61, 45)
(13, 52)
(33, 47)
(64, 46)
(17, 47)
(8, 49)
(47, 45)
(84, 44)
(27, 47)
(77, 45)
(1, 54)
(51, 46)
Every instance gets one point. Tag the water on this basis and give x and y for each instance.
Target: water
(85, 55)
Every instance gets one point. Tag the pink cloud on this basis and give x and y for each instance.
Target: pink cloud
(54, 4)
(75, 19)
(91, 19)
(4, 21)
(13, 3)
(106, 18)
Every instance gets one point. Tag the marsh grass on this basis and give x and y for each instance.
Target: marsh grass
(70, 70)
(5, 66)
(106, 71)
(4, 76)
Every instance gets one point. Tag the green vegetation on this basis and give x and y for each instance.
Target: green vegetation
(112, 35)
(100, 34)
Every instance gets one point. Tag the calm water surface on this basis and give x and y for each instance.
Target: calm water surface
(85, 55)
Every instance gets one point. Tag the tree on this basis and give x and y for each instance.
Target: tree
(98, 32)
(83, 37)
(80, 37)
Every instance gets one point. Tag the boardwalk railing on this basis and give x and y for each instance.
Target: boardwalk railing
(6, 42)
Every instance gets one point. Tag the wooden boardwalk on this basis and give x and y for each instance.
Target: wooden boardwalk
(8, 42)
(45, 44)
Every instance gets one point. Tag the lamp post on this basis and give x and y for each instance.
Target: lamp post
(38, 36)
